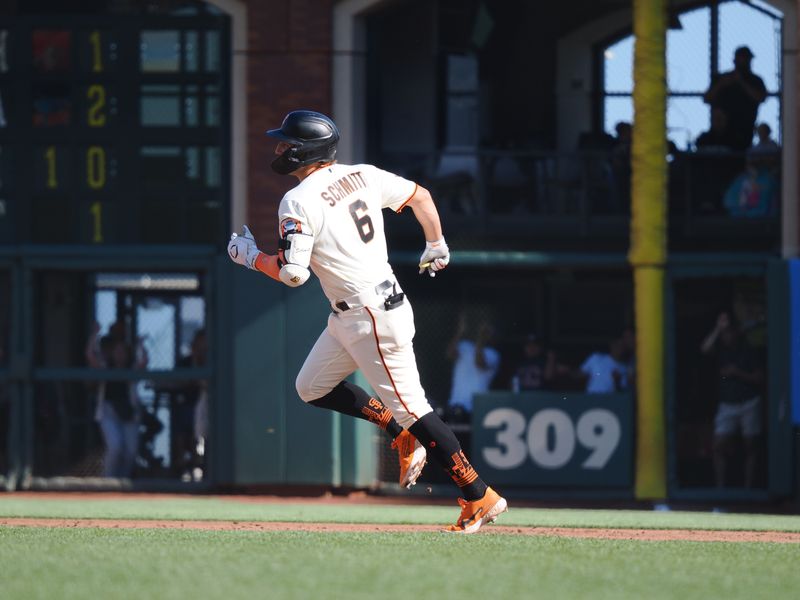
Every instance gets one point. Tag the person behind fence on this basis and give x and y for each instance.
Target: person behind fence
(537, 368)
(738, 93)
(117, 409)
(189, 411)
(740, 379)
(475, 364)
(606, 372)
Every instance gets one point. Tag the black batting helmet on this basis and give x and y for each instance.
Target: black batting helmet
(313, 138)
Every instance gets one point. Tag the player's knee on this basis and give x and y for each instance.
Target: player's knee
(406, 419)
(306, 389)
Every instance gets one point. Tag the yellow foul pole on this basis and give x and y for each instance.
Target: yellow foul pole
(648, 250)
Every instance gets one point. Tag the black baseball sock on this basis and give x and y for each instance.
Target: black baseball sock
(352, 400)
(442, 444)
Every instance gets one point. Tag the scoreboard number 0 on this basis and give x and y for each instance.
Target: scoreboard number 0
(96, 167)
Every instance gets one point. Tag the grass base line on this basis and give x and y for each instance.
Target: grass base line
(662, 535)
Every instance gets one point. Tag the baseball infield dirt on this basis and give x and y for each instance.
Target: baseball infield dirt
(264, 526)
(608, 534)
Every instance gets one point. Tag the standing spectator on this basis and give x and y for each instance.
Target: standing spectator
(476, 363)
(538, 366)
(738, 93)
(739, 391)
(117, 409)
(606, 372)
(189, 411)
(621, 165)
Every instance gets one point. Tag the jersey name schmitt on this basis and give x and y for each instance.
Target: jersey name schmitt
(343, 187)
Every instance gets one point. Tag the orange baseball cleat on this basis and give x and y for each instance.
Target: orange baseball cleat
(412, 457)
(477, 513)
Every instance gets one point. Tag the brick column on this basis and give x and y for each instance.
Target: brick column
(289, 67)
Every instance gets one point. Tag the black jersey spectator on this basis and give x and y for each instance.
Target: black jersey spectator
(738, 93)
(741, 376)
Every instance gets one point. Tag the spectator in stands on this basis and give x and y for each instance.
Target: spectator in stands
(755, 191)
(189, 412)
(765, 143)
(117, 409)
(717, 138)
(621, 165)
(606, 372)
(538, 367)
(622, 142)
(475, 364)
(738, 93)
(714, 166)
(741, 376)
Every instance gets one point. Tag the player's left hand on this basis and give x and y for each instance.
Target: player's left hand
(242, 248)
(435, 257)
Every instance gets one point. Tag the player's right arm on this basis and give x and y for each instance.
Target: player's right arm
(436, 255)
(425, 212)
(397, 193)
(289, 266)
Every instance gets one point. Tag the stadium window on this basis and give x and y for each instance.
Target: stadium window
(700, 44)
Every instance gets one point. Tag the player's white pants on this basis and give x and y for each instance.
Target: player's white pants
(379, 343)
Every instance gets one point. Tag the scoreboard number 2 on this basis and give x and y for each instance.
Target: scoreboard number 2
(97, 98)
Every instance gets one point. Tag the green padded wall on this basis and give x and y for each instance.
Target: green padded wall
(275, 437)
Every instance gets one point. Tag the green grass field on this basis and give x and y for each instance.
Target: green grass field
(116, 563)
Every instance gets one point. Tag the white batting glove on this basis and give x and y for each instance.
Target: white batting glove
(435, 258)
(242, 248)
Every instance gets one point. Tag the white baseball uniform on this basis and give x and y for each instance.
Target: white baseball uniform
(341, 206)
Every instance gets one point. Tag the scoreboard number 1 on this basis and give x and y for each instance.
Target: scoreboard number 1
(97, 52)
(50, 158)
(97, 222)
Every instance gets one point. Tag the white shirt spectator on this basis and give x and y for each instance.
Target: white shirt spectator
(469, 378)
(600, 367)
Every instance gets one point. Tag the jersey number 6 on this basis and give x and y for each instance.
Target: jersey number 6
(358, 210)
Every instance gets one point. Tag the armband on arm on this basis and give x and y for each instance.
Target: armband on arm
(268, 264)
(296, 248)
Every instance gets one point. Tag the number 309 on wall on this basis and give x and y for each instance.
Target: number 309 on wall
(539, 442)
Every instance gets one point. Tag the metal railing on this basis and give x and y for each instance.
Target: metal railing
(711, 193)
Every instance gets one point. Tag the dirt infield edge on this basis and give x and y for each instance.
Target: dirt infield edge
(694, 535)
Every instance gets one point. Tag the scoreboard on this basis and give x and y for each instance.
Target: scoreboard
(114, 129)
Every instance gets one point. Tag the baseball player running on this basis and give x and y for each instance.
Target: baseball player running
(332, 224)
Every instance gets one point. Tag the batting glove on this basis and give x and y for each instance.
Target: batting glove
(242, 248)
(435, 258)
